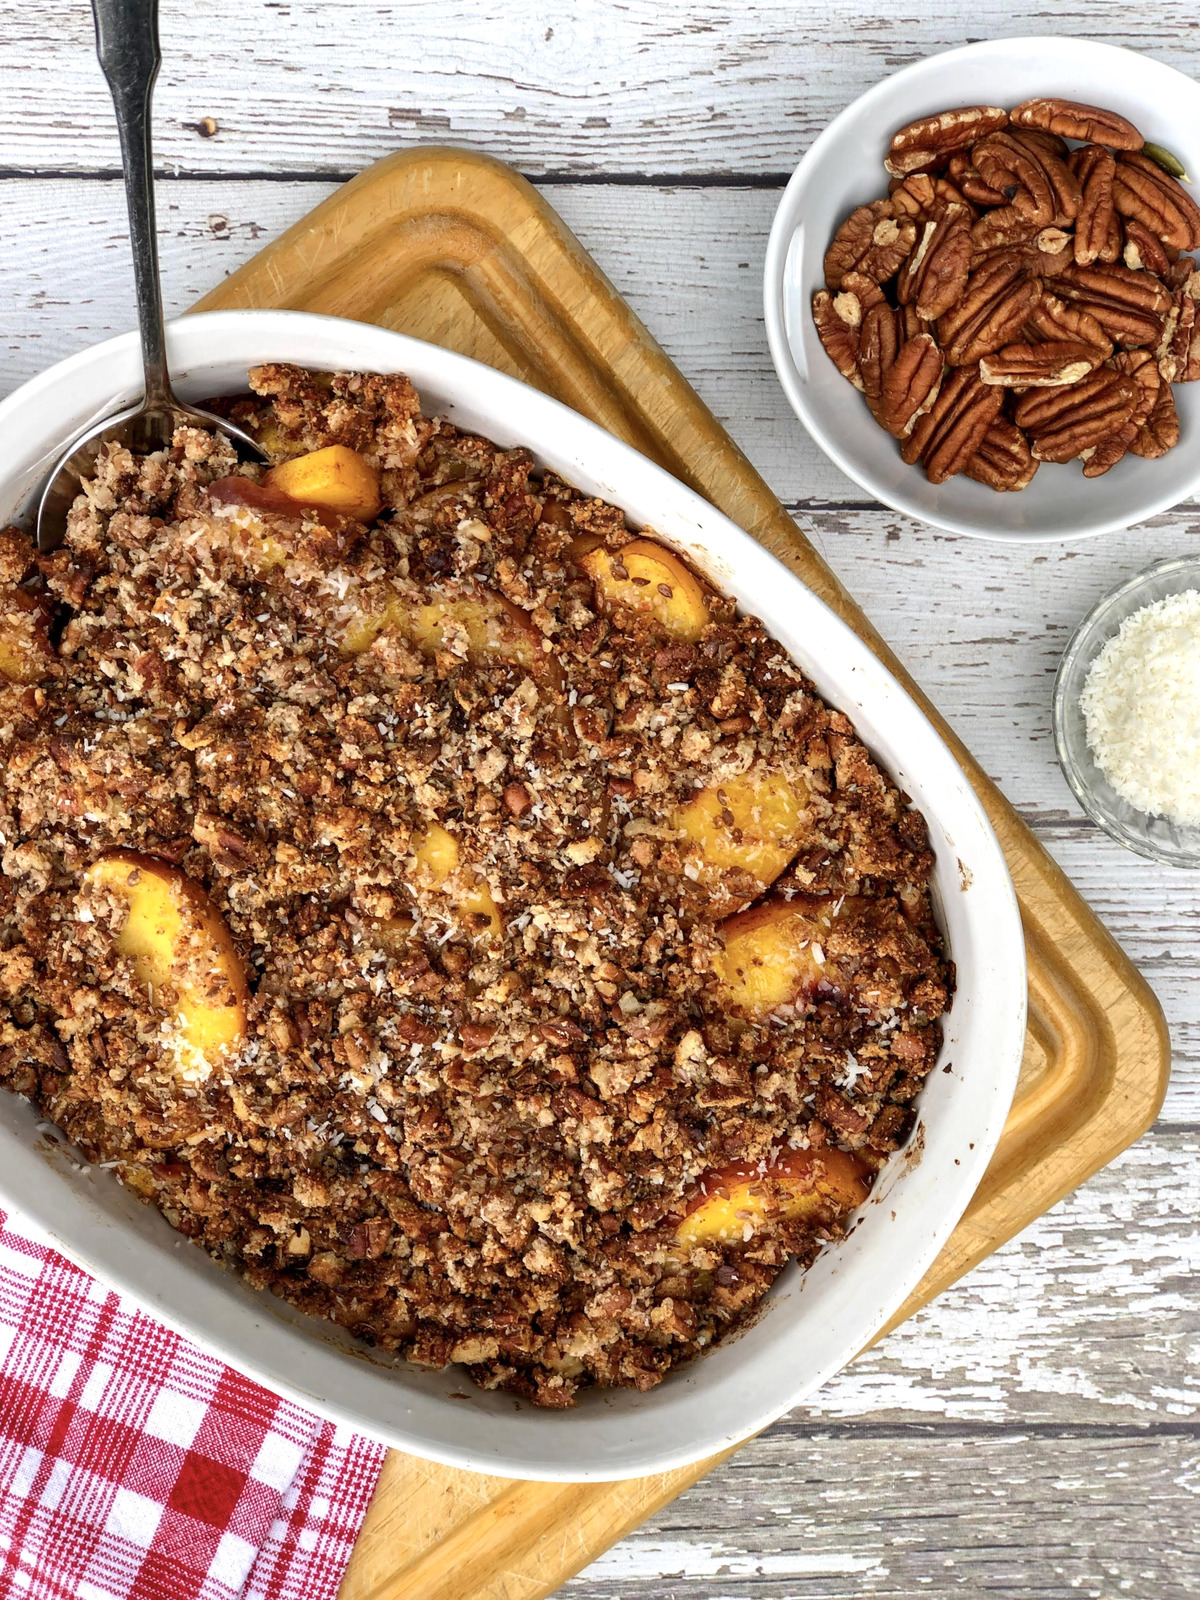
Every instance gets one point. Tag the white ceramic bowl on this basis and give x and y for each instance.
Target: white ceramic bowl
(844, 168)
(812, 1325)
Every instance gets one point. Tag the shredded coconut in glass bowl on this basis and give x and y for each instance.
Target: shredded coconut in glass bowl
(1141, 708)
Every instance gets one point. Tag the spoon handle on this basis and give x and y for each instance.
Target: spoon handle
(127, 46)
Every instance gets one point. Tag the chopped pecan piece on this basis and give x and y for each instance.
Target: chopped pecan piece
(873, 241)
(1095, 168)
(995, 304)
(1160, 431)
(1072, 120)
(1142, 190)
(1004, 461)
(1040, 366)
(947, 437)
(923, 143)
(1061, 423)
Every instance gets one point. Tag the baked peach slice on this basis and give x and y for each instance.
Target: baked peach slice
(335, 478)
(731, 1204)
(182, 952)
(774, 956)
(439, 867)
(468, 619)
(25, 649)
(645, 576)
(754, 823)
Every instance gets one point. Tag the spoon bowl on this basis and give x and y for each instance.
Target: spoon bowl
(128, 51)
(140, 429)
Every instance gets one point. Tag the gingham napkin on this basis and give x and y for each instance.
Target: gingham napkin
(134, 1467)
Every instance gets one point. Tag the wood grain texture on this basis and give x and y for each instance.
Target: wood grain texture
(606, 86)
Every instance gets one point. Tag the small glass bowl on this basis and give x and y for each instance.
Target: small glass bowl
(1176, 844)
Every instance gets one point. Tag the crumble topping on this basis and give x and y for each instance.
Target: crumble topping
(468, 1135)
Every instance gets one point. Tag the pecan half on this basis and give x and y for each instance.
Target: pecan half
(1004, 460)
(1129, 306)
(935, 274)
(1141, 368)
(1160, 431)
(921, 196)
(995, 305)
(1141, 189)
(1040, 366)
(1143, 251)
(1053, 318)
(838, 337)
(1061, 423)
(1072, 120)
(1178, 352)
(901, 376)
(1180, 271)
(930, 139)
(1094, 167)
(1004, 163)
(872, 241)
(948, 436)
(1041, 142)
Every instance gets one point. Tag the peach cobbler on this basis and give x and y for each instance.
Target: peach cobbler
(438, 901)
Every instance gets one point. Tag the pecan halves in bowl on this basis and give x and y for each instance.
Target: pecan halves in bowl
(872, 241)
(1004, 461)
(1095, 168)
(930, 139)
(1061, 423)
(1072, 120)
(947, 437)
(1142, 190)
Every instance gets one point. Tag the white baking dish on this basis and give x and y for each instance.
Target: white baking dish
(812, 1324)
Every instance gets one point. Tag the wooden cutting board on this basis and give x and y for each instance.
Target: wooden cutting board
(455, 248)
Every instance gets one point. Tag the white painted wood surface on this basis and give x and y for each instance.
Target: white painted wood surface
(1036, 1432)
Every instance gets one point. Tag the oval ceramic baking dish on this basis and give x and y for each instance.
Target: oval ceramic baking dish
(812, 1323)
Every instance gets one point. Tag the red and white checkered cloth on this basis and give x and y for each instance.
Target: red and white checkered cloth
(134, 1467)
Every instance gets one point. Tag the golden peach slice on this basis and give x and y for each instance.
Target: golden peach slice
(773, 956)
(753, 823)
(731, 1205)
(647, 577)
(438, 867)
(337, 478)
(468, 620)
(179, 943)
(25, 650)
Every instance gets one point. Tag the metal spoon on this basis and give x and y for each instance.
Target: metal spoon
(127, 46)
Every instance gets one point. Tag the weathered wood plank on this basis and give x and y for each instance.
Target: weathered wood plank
(1089, 1316)
(603, 87)
(829, 1514)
